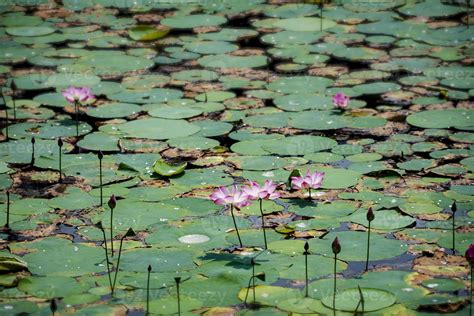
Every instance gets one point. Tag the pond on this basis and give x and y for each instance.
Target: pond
(236, 157)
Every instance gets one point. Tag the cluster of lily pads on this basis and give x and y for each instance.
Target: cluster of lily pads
(352, 118)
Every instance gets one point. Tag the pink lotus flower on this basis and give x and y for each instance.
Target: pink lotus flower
(255, 192)
(309, 181)
(340, 100)
(299, 183)
(220, 196)
(270, 188)
(234, 197)
(73, 94)
(314, 180)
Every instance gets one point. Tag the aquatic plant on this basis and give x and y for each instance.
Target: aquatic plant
(53, 306)
(260, 276)
(77, 96)
(309, 181)
(13, 87)
(33, 142)
(370, 218)
(340, 100)
(177, 280)
(267, 192)
(454, 209)
(107, 262)
(336, 249)
(306, 253)
(112, 203)
(235, 198)
(60, 145)
(100, 155)
(7, 223)
(129, 233)
(148, 290)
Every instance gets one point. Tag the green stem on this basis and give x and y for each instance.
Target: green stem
(7, 136)
(334, 290)
(263, 224)
(470, 289)
(235, 224)
(112, 232)
(309, 192)
(100, 182)
(14, 107)
(148, 293)
(107, 259)
(179, 300)
(8, 210)
(253, 282)
(118, 264)
(247, 293)
(60, 165)
(368, 250)
(76, 110)
(454, 235)
(32, 153)
(306, 273)
(6, 115)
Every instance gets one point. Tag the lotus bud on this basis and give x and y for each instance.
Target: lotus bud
(370, 215)
(112, 202)
(336, 246)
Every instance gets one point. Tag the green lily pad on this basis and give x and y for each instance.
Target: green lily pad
(156, 128)
(50, 287)
(113, 110)
(430, 9)
(175, 112)
(148, 96)
(384, 219)
(348, 300)
(459, 118)
(146, 33)
(271, 295)
(11, 263)
(192, 21)
(165, 169)
(193, 143)
(169, 260)
(443, 285)
(417, 164)
(29, 30)
(229, 61)
(355, 244)
(99, 141)
(300, 84)
(210, 47)
(59, 257)
(303, 24)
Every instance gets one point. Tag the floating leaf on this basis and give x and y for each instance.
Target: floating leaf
(147, 33)
(167, 170)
